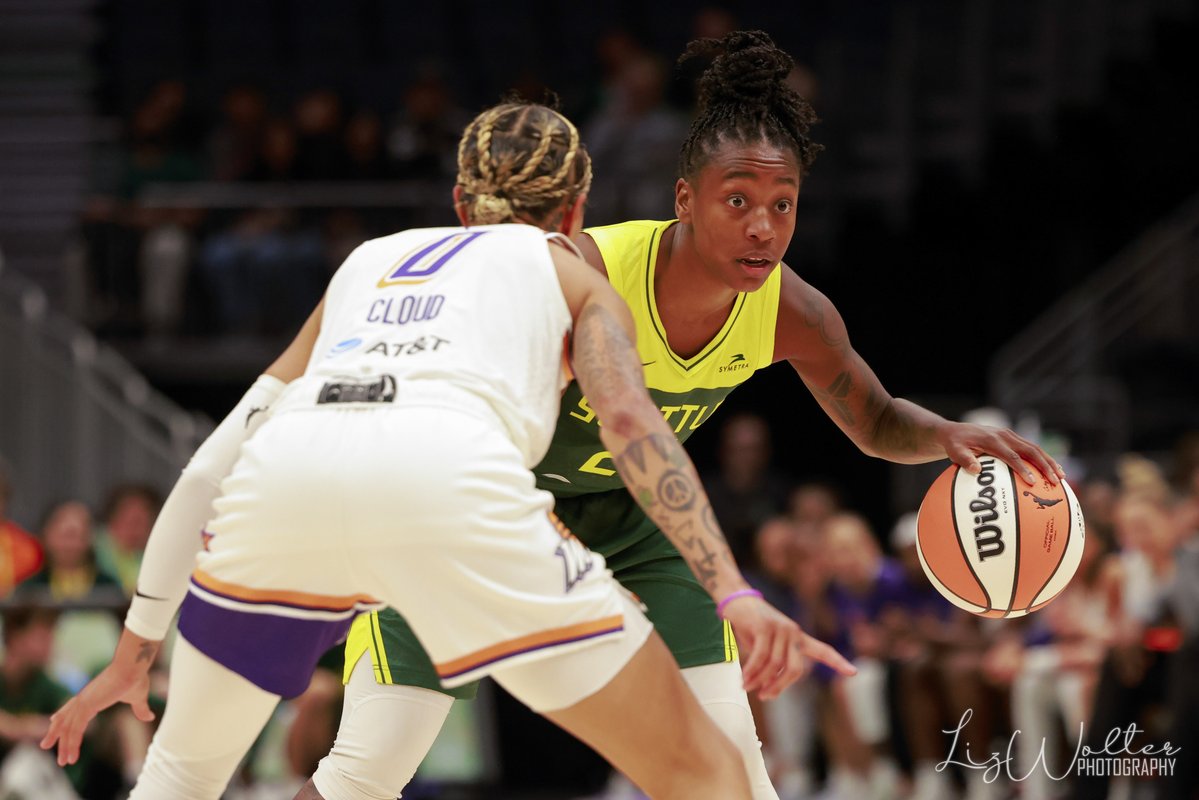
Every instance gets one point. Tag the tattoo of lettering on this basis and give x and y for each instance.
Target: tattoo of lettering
(146, 652)
(676, 491)
(813, 317)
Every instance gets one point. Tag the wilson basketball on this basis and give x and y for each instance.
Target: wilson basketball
(996, 546)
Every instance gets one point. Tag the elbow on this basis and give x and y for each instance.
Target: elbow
(626, 414)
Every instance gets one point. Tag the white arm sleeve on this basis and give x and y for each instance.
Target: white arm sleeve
(176, 538)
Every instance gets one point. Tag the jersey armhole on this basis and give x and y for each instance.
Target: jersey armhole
(563, 240)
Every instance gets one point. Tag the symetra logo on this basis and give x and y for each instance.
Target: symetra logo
(735, 363)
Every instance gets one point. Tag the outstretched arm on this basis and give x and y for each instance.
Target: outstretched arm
(811, 336)
(661, 477)
(171, 554)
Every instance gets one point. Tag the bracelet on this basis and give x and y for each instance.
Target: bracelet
(740, 593)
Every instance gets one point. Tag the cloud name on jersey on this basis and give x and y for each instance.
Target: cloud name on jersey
(402, 310)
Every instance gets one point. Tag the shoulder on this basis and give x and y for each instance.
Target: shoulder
(624, 242)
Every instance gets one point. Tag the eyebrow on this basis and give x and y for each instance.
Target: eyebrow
(744, 173)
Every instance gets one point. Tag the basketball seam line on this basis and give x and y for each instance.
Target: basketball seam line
(1011, 473)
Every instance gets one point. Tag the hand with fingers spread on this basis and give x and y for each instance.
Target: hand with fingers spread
(963, 442)
(775, 650)
(126, 679)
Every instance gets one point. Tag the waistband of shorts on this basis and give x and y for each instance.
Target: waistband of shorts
(397, 393)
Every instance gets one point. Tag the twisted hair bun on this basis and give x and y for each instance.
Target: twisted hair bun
(746, 68)
(520, 161)
(744, 97)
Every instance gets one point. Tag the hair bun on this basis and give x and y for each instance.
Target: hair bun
(747, 68)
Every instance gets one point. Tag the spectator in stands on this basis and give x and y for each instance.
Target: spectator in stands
(20, 552)
(776, 544)
(86, 635)
(28, 696)
(320, 125)
(422, 141)
(266, 253)
(70, 571)
(1182, 602)
(1059, 668)
(935, 653)
(1132, 678)
(634, 140)
(366, 158)
(745, 491)
(812, 503)
(234, 146)
(792, 571)
(866, 591)
(279, 149)
(129, 515)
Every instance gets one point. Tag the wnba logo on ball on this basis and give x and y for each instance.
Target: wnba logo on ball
(987, 538)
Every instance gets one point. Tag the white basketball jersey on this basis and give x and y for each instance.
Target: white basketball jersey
(476, 308)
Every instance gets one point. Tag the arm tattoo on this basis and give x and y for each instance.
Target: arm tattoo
(671, 497)
(838, 393)
(813, 317)
(604, 358)
(146, 652)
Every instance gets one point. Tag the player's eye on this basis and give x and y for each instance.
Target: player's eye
(784, 206)
(736, 201)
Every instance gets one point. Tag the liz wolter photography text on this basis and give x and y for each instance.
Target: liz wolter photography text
(1118, 757)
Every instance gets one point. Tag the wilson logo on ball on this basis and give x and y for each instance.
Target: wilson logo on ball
(994, 545)
(987, 538)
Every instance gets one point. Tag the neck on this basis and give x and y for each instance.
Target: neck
(682, 279)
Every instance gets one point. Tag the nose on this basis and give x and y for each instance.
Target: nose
(759, 226)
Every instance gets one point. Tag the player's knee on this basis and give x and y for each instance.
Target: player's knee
(336, 780)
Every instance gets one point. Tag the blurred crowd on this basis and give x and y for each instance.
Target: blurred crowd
(1118, 648)
(157, 261)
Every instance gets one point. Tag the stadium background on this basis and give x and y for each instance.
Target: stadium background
(1005, 215)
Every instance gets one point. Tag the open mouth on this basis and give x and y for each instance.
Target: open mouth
(757, 263)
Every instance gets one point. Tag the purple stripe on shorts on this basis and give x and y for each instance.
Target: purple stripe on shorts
(275, 653)
(532, 648)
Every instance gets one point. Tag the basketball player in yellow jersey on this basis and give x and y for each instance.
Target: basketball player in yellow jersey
(712, 303)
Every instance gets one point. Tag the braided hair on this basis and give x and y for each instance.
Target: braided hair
(520, 161)
(744, 97)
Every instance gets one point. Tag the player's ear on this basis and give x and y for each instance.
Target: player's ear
(683, 197)
(460, 206)
(572, 217)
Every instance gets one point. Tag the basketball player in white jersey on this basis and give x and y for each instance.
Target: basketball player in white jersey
(394, 470)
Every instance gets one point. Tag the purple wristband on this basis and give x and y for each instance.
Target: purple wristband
(740, 593)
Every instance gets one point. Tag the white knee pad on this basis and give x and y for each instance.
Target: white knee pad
(720, 692)
(386, 731)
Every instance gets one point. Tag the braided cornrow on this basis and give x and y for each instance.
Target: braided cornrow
(520, 161)
(744, 97)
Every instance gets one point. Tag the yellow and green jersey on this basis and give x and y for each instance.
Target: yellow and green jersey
(688, 390)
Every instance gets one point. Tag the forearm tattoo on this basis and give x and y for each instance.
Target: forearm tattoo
(604, 358)
(658, 472)
(146, 652)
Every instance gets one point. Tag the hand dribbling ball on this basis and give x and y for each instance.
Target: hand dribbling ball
(994, 545)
